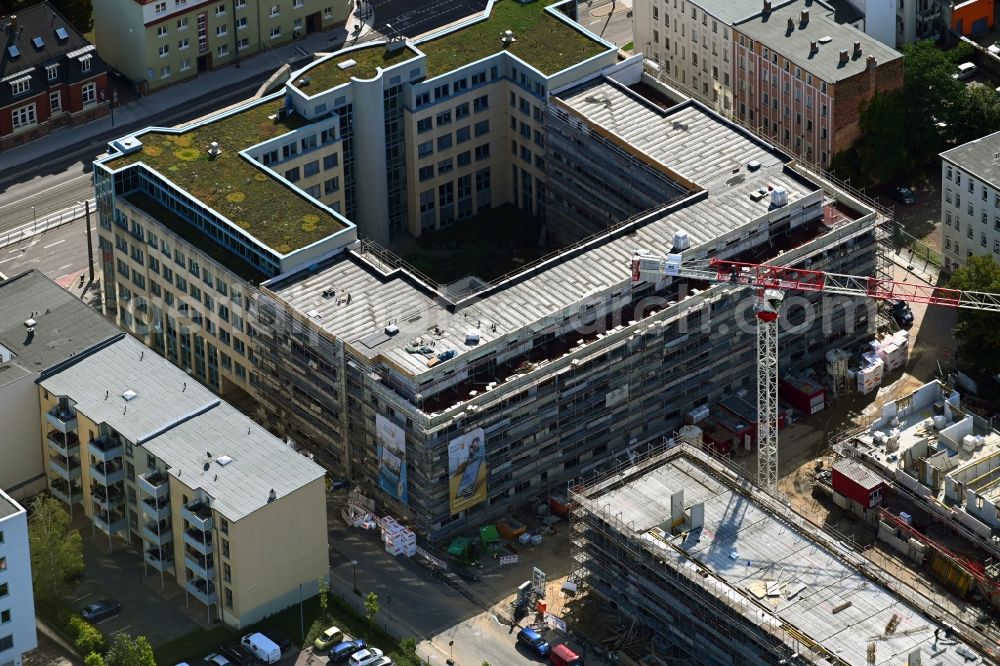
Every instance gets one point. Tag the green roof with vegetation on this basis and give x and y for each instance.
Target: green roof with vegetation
(327, 74)
(543, 41)
(233, 186)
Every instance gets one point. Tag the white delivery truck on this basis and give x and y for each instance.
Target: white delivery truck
(262, 647)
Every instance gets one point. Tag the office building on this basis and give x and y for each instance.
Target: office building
(970, 201)
(156, 43)
(42, 326)
(722, 573)
(54, 77)
(17, 601)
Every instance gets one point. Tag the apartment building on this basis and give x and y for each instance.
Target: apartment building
(970, 201)
(801, 78)
(52, 74)
(156, 43)
(691, 42)
(922, 19)
(210, 499)
(41, 327)
(17, 602)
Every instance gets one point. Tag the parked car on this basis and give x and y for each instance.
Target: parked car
(384, 661)
(279, 638)
(101, 610)
(561, 655)
(904, 194)
(367, 657)
(215, 659)
(328, 639)
(340, 483)
(902, 313)
(532, 640)
(342, 651)
(238, 655)
(966, 70)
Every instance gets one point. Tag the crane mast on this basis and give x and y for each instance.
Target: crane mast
(769, 284)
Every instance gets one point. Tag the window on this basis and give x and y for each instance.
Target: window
(443, 118)
(276, 32)
(165, 71)
(164, 50)
(426, 173)
(482, 127)
(55, 101)
(3, 564)
(482, 152)
(444, 142)
(463, 134)
(182, 24)
(183, 44)
(222, 50)
(445, 166)
(221, 30)
(332, 185)
(310, 169)
(52, 72)
(330, 161)
(947, 218)
(20, 86)
(982, 240)
(240, 4)
(481, 103)
(6, 643)
(185, 64)
(464, 159)
(948, 173)
(947, 196)
(292, 175)
(160, 7)
(229, 598)
(426, 148)
(227, 574)
(85, 64)
(220, 10)
(161, 31)
(275, 10)
(241, 23)
(3, 590)
(996, 247)
(24, 116)
(4, 617)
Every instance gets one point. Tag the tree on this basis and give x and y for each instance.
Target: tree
(128, 651)
(86, 638)
(980, 113)
(56, 552)
(408, 646)
(94, 659)
(371, 608)
(324, 597)
(978, 333)
(881, 150)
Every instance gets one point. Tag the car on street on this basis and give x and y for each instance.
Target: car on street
(902, 313)
(279, 639)
(100, 610)
(532, 640)
(994, 49)
(238, 655)
(904, 195)
(366, 657)
(342, 651)
(328, 639)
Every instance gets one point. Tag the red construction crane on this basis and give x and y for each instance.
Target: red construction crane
(770, 283)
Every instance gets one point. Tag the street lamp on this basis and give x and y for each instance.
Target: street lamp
(354, 564)
(451, 651)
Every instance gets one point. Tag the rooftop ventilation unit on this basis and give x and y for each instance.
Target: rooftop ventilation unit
(214, 150)
(507, 38)
(224, 460)
(129, 395)
(30, 323)
(681, 240)
(472, 336)
(753, 165)
(346, 64)
(391, 329)
(825, 39)
(779, 197)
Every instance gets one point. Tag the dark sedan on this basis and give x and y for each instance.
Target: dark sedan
(237, 654)
(904, 195)
(101, 610)
(342, 651)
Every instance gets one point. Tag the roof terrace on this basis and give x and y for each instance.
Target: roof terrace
(542, 40)
(232, 185)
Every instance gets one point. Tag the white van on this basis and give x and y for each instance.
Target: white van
(262, 647)
(965, 71)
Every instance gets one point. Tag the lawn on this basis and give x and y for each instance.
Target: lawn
(341, 614)
(487, 245)
(327, 74)
(236, 187)
(543, 41)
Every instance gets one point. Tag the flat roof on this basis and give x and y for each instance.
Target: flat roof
(8, 507)
(687, 139)
(980, 157)
(181, 422)
(744, 543)
(65, 326)
(771, 30)
(328, 73)
(858, 473)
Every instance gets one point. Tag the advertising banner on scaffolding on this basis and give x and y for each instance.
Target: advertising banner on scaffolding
(390, 448)
(467, 470)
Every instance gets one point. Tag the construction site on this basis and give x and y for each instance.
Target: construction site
(718, 572)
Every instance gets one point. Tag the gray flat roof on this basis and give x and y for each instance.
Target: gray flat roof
(8, 507)
(772, 31)
(978, 157)
(65, 325)
(687, 138)
(730, 11)
(180, 421)
(743, 543)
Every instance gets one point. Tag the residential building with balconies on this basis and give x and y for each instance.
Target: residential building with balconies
(156, 43)
(156, 461)
(41, 327)
(17, 602)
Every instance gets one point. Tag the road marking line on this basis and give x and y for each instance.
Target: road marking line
(58, 269)
(82, 598)
(119, 630)
(45, 247)
(3, 261)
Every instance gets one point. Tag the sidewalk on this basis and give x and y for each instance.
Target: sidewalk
(916, 266)
(183, 94)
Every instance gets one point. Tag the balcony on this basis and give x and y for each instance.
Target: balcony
(65, 444)
(62, 490)
(62, 419)
(153, 558)
(106, 449)
(201, 565)
(154, 484)
(66, 468)
(110, 522)
(198, 514)
(155, 510)
(107, 473)
(202, 590)
(200, 541)
(107, 498)
(156, 536)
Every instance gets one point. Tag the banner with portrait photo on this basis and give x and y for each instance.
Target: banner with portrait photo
(390, 449)
(467, 470)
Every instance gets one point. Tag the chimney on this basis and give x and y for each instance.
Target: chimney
(804, 17)
(791, 24)
(844, 57)
(767, 6)
(813, 47)
(871, 63)
(857, 49)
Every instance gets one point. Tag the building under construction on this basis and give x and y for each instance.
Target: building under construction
(721, 573)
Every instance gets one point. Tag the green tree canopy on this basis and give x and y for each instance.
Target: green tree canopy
(128, 651)
(978, 333)
(371, 609)
(56, 552)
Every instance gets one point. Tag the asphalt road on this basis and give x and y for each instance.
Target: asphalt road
(415, 17)
(60, 253)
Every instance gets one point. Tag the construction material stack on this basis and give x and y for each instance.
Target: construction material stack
(893, 349)
(398, 539)
(870, 373)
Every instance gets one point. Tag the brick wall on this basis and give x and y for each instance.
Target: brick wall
(850, 94)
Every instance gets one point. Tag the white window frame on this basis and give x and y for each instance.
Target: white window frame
(241, 23)
(275, 11)
(24, 116)
(221, 30)
(244, 43)
(52, 72)
(88, 90)
(275, 35)
(160, 7)
(241, 4)
(222, 50)
(164, 50)
(220, 10)
(55, 101)
(184, 44)
(185, 65)
(165, 72)
(182, 23)
(161, 31)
